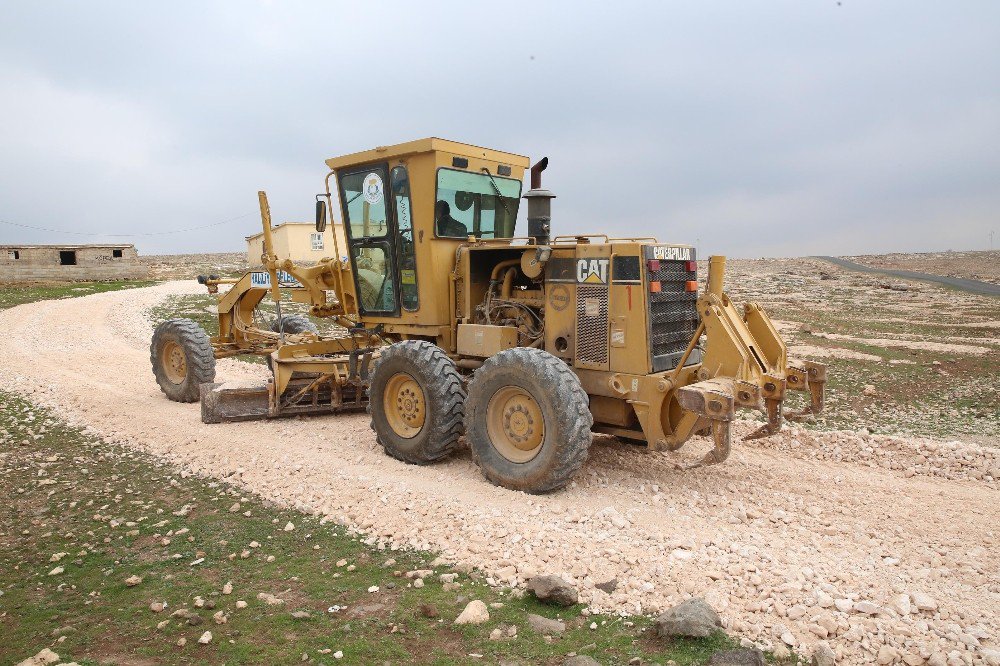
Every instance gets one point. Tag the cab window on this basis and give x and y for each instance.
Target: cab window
(363, 197)
(374, 277)
(475, 204)
(405, 250)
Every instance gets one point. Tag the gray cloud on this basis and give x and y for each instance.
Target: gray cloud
(757, 129)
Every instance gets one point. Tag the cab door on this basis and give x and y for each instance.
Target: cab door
(371, 233)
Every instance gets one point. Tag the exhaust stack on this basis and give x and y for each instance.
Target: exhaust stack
(539, 205)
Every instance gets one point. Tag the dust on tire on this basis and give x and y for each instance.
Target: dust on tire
(565, 409)
(199, 358)
(444, 395)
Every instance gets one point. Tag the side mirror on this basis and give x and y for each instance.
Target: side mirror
(320, 215)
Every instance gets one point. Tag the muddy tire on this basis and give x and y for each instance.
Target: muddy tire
(416, 402)
(182, 358)
(527, 421)
(294, 324)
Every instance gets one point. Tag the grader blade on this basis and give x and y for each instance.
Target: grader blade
(227, 403)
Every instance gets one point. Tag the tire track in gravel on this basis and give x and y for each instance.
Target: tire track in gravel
(784, 538)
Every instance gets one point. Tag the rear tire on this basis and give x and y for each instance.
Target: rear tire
(182, 358)
(416, 402)
(512, 446)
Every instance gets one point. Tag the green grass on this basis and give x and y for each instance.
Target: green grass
(18, 294)
(110, 509)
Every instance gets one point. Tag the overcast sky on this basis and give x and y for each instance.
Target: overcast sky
(751, 128)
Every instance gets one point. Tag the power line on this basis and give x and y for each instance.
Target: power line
(152, 233)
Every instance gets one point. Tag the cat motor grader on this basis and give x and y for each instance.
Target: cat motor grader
(450, 323)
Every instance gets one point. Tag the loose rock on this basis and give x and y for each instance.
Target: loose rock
(475, 613)
(745, 657)
(693, 618)
(553, 590)
(580, 660)
(545, 626)
(43, 658)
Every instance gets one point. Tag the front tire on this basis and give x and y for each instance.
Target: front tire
(528, 420)
(416, 402)
(183, 359)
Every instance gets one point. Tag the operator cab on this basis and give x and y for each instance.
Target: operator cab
(405, 210)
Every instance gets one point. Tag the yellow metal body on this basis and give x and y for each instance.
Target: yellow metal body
(659, 361)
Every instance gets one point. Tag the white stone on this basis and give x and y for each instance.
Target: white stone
(475, 613)
(866, 607)
(901, 604)
(923, 601)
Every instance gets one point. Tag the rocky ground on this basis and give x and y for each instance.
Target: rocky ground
(112, 556)
(190, 266)
(914, 359)
(975, 265)
(876, 541)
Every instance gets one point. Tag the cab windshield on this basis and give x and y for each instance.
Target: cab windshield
(475, 204)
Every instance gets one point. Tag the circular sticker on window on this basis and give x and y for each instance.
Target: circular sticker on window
(373, 188)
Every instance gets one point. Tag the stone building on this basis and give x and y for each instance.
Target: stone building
(53, 263)
(298, 241)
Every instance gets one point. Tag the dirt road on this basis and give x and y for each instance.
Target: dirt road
(964, 284)
(885, 547)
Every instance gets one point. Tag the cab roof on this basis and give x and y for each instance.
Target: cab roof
(428, 145)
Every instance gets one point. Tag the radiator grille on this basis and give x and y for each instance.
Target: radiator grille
(673, 314)
(592, 325)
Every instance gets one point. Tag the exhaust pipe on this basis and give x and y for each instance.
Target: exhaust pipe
(539, 205)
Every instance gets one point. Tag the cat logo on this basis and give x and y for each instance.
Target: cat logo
(592, 271)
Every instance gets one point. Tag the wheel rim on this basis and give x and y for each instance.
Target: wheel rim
(515, 424)
(404, 404)
(174, 362)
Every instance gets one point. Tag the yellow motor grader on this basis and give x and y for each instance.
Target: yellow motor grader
(451, 323)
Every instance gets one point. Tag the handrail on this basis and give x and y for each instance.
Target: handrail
(607, 239)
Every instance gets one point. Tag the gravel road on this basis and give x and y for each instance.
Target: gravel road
(885, 547)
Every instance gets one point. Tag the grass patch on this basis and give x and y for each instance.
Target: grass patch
(17, 293)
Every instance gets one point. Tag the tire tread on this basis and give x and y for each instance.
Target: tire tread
(198, 353)
(575, 419)
(446, 392)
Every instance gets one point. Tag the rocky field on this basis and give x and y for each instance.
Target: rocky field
(190, 266)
